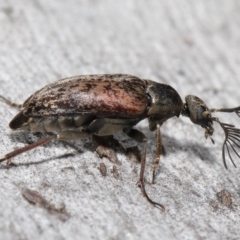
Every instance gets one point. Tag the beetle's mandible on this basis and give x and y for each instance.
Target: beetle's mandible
(101, 105)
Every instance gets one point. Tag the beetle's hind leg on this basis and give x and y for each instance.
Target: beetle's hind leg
(10, 103)
(64, 135)
(12, 154)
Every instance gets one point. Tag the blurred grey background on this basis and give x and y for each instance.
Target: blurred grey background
(192, 46)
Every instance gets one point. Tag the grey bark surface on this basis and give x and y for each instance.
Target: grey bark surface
(192, 46)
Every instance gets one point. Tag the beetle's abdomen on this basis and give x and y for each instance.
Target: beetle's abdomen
(57, 124)
(49, 123)
(18, 121)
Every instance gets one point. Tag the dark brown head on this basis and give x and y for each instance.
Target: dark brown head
(198, 112)
(196, 109)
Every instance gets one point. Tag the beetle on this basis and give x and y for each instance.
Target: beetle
(101, 105)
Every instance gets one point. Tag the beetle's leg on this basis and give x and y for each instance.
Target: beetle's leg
(26, 148)
(64, 135)
(135, 134)
(106, 147)
(12, 104)
(72, 135)
(158, 152)
(102, 130)
(140, 137)
(141, 178)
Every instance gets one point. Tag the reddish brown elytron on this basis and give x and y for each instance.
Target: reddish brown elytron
(101, 105)
(110, 95)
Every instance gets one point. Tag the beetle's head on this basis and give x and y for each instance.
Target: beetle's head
(198, 112)
(196, 109)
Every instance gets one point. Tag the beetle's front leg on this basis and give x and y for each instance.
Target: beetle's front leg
(141, 177)
(140, 137)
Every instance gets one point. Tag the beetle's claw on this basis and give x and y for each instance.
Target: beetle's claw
(140, 183)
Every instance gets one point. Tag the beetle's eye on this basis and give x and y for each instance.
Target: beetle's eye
(206, 115)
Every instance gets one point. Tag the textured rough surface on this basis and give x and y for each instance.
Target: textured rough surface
(103, 95)
(192, 46)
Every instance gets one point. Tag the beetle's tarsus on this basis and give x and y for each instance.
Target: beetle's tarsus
(155, 204)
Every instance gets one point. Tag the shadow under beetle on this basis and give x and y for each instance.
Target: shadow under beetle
(101, 105)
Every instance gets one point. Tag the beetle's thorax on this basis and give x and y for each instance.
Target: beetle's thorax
(165, 103)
